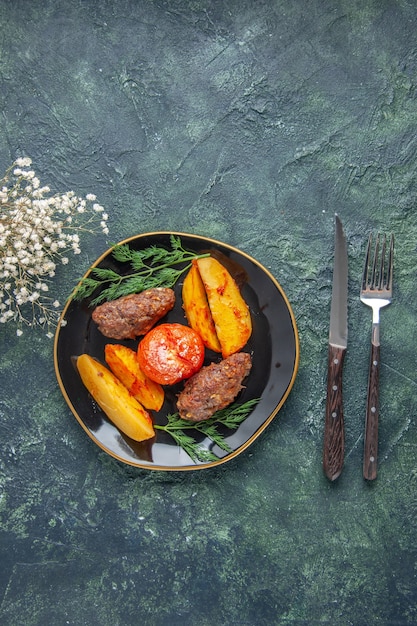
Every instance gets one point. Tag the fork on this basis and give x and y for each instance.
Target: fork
(376, 292)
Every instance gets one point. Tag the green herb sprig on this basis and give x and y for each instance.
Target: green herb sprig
(230, 417)
(153, 266)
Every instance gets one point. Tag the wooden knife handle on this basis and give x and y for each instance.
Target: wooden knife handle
(334, 431)
(370, 455)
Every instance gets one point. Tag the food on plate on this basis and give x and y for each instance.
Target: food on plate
(170, 353)
(131, 316)
(213, 387)
(229, 310)
(124, 364)
(197, 309)
(114, 399)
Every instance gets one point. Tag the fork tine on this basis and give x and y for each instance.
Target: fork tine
(390, 263)
(375, 266)
(366, 265)
(381, 276)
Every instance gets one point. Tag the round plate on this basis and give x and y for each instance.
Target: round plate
(273, 345)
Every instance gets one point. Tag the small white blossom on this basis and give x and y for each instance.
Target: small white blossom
(23, 162)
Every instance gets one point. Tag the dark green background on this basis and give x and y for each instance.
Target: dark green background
(251, 122)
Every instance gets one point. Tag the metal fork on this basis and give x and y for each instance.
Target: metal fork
(376, 292)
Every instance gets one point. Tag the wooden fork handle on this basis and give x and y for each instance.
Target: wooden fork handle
(334, 430)
(370, 456)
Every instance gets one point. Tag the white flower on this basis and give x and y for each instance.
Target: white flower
(23, 162)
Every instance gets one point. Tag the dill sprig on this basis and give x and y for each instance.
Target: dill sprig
(230, 417)
(154, 266)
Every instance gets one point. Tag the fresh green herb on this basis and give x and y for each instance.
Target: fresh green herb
(154, 266)
(230, 417)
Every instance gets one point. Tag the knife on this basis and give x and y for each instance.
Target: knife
(334, 431)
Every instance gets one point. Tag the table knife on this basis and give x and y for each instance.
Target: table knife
(334, 431)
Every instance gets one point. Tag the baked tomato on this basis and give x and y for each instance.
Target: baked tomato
(170, 353)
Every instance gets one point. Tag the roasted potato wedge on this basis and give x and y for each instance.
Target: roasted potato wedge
(197, 310)
(114, 399)
(124, 364)
(229, 310)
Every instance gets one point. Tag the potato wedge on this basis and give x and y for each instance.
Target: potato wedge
(114, 399)
(229, 310)
(197, 309)
(124, 364)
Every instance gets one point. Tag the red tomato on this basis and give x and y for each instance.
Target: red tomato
(171, 352)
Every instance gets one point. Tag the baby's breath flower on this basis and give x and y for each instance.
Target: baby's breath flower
(23, 162)
(36, 231)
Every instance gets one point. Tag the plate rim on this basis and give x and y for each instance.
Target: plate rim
(258, 431)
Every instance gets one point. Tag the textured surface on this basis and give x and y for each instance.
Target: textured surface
(252, 122)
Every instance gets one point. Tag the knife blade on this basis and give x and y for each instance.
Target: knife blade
(334, 430)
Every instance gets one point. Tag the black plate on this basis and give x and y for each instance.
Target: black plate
(273, 345)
